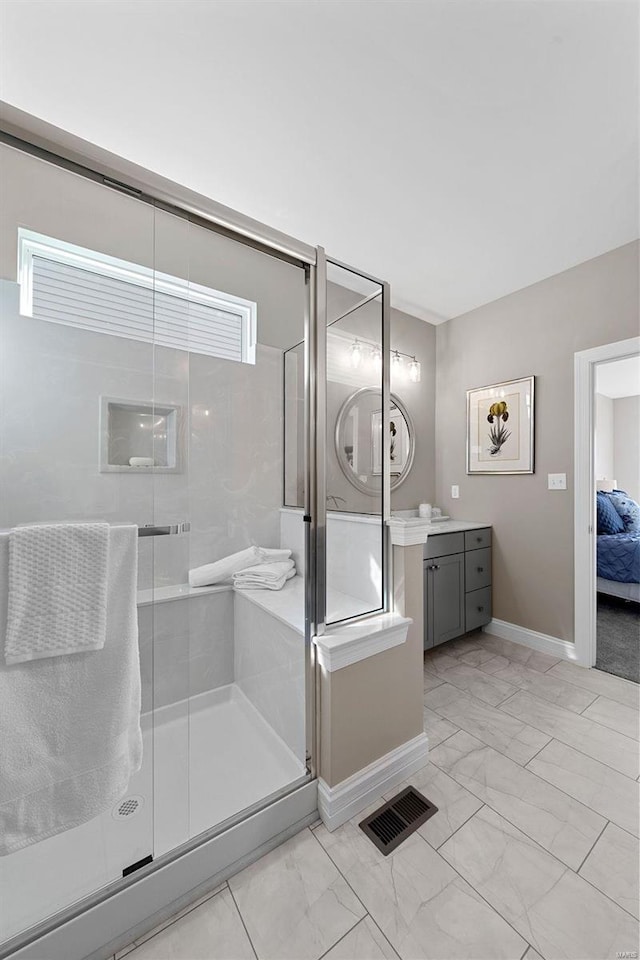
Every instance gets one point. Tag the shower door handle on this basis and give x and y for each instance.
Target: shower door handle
(150, 531)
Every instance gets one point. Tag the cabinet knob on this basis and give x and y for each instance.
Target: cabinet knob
(480, 609)
(480, 569)
(478, 539)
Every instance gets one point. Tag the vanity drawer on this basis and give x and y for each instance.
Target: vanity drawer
(443, 544)
(477, 539)
(477, 569)
(478, 608)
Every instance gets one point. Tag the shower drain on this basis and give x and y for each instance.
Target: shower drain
(127, 808)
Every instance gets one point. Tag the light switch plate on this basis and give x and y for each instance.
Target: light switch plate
(455, 492)
(557, 481)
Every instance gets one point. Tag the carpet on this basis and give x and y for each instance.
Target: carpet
(618, 637)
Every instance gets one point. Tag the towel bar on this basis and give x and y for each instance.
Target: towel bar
(150, 531)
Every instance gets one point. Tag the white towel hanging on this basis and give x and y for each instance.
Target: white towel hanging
(57, 590)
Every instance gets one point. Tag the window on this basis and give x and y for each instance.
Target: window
(64, 283)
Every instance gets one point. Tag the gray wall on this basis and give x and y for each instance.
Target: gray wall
(626, 444)
(413, 336)
(534, 331)
(603, 438)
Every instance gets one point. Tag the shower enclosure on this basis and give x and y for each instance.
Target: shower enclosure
(165, 370)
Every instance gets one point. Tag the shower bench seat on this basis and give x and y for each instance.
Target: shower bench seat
(286, 605)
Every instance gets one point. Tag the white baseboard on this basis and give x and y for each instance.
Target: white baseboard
(338, 804)
(531, 638)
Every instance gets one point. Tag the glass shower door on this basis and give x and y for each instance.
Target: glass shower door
(229, 656)
(143, 368)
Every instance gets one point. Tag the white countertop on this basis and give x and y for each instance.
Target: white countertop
(407, 531)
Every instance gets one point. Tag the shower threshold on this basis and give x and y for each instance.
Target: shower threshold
(205, 760)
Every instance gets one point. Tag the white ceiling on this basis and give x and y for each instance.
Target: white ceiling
(461, 149)
(620, 378)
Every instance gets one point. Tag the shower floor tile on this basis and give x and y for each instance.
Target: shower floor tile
(207, 759)
(236, 758)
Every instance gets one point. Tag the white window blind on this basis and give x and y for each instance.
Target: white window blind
(66, 284)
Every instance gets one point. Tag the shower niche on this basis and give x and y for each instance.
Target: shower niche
(138, 436)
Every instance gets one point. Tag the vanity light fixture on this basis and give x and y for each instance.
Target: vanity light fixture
(356, 354)
(403, 364)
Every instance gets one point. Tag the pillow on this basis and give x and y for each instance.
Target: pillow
(628, 510)
(608, 519)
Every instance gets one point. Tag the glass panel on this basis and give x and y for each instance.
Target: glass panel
(229, 673)
(75, 810)
(167, 557)
(354, 445)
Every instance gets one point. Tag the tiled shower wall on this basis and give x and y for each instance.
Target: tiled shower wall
(186, 647)
(231, 487)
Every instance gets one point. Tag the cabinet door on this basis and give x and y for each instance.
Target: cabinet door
(444, 596)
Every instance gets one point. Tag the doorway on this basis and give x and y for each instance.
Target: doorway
(607, 518)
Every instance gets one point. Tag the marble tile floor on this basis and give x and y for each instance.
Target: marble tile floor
(533, 853)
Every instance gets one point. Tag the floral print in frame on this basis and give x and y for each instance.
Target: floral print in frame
(500, 427)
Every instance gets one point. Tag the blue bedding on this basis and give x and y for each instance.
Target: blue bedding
(619, 557)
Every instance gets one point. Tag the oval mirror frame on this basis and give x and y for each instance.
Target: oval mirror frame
(341, 454)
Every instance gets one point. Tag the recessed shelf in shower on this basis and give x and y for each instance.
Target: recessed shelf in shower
(137, 436)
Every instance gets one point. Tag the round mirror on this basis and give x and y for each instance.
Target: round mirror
(359, 440)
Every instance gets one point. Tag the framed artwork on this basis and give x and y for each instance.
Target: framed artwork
(500, 427)
(399, 445)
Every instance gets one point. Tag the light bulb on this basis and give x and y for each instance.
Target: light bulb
(396, 360)
(376, 358)
(414, 371)
(356, 354)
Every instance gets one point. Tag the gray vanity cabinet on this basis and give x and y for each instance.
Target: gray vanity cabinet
(457, 584)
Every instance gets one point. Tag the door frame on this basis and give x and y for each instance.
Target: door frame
(585, 362)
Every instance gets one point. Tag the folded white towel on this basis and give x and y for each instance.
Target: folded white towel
(269, 576)
(70, 735)
(57, 590)
(224, 569)
(259, 583)
(265, 571)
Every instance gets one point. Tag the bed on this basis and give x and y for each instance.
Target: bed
(618, 544)
(618, 565)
